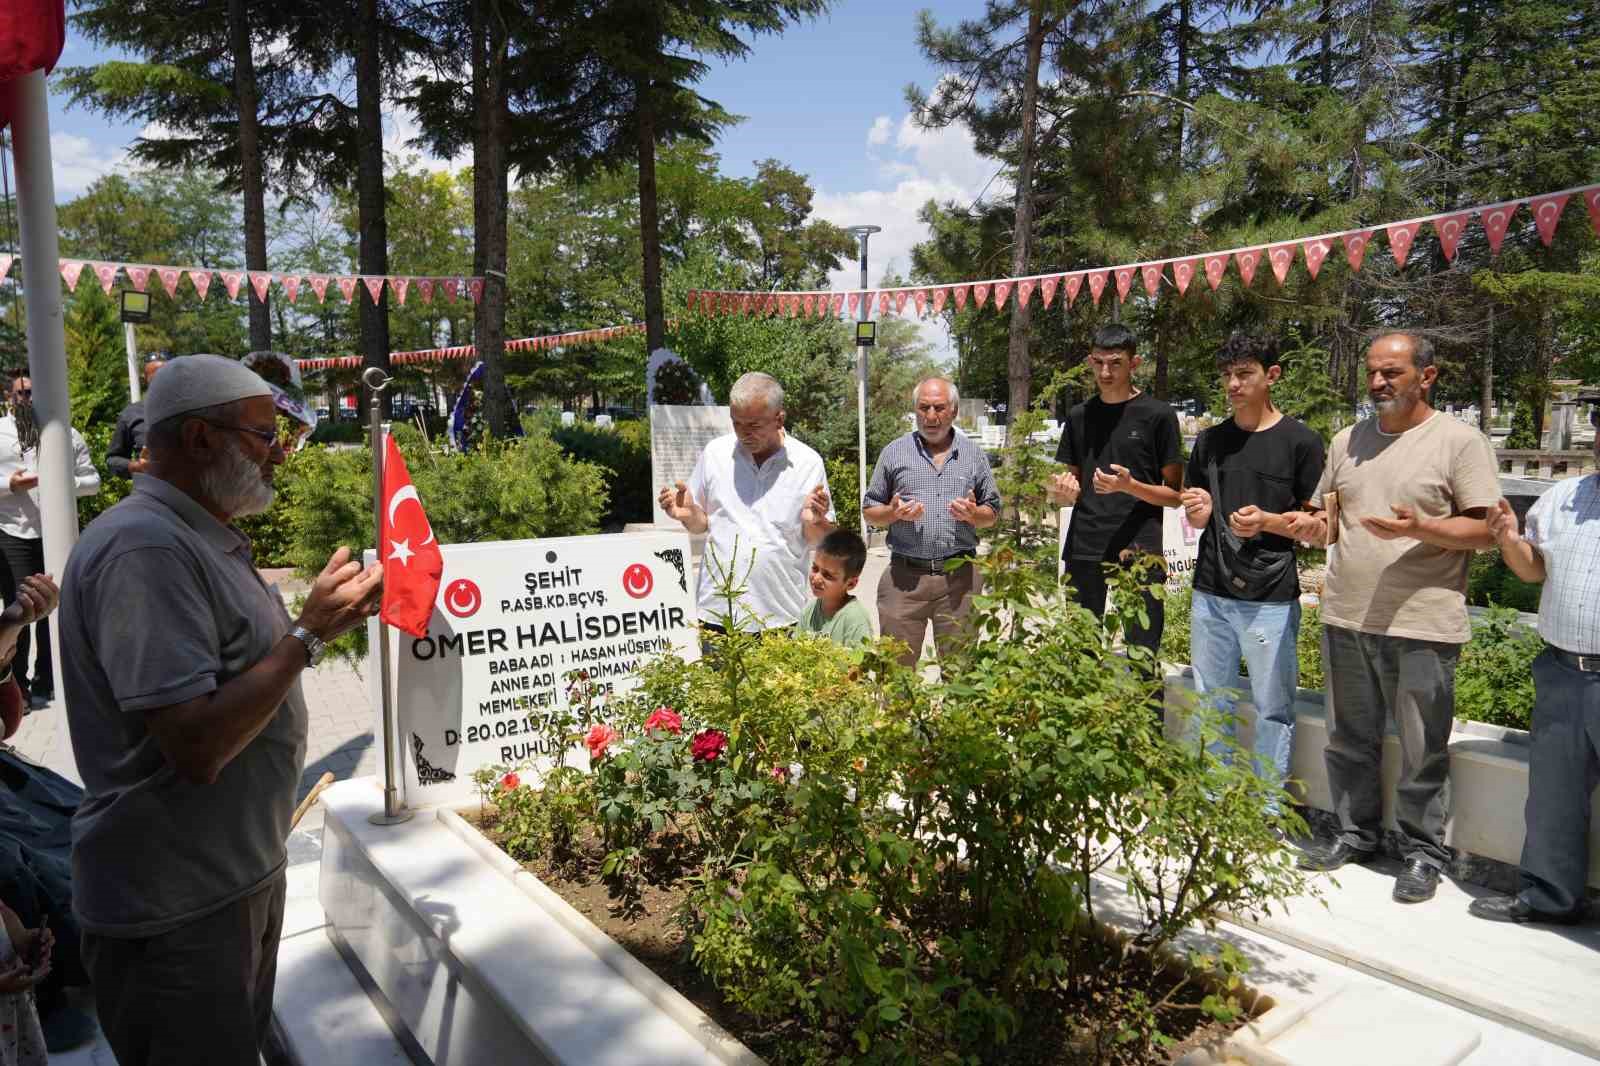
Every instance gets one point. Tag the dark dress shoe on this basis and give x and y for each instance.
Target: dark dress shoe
(66, 1027)
(1417, 884)
(39, 701)
(1332, 856)
(1513, 909)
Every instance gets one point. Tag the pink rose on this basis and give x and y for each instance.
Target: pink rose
(708, 744)
(665, 719)
(599, 739)
(780, 773)
(510, 781)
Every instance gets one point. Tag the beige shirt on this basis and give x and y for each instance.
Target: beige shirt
(1403, 588)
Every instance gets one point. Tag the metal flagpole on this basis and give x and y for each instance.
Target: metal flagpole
(132, 344)
(47, 351)
(393, 813)
(863, 233)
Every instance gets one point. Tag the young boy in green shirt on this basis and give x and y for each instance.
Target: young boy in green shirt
(835, 568)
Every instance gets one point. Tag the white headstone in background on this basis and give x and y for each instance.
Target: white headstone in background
(677, 437)
(602, 421)
(569, 418)
(512, 620)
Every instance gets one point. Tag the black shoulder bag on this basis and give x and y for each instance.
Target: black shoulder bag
(1248, 574)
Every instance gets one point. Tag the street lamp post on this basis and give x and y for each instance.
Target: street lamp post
(862, 233)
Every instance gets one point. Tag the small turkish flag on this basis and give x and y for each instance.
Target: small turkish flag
(412, 565)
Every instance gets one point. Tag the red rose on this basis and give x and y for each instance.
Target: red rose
(510, 781)
(665, 719)
(708, 744)
(780, 773)
(599, 739)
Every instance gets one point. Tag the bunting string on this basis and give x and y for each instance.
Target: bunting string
(546, 342)
(1177, 271)
(291, 284)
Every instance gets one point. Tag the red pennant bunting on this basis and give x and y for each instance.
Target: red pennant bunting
(809, 302)
(231, 280)
(139, 275)
(1546, 214)
(1097, 284)
(1183, 273)
(1591, 200)
(1151, 272)
(921, 299)
(1047, 288)
(961, 297)
(201, 280)
(836, 301)
(319, 285)
(400, 285)
(425, 290)
(1124, 282)
(747, 303)
(475, 289)
(980, 293)
(1216, 266)
(771, 304)
(291, 286)
(900, 298)
(693, 299)
(1075, 282)
(855, 303)
(169, 280)
(1401, 234)
(884, 299)
(1002, 289)
(939, 297)
(450, 288)
(5, 266)
(70, 269)
(1316, 251)
(1247, 261)
(374, 286)
(347, 287)
(107, 273)
(1450, 228)
(259, 283)
(1280, 256)
(1355, 246)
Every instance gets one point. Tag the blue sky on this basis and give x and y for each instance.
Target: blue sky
(827, 98)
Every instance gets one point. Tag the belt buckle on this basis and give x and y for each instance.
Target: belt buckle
(1589, 664)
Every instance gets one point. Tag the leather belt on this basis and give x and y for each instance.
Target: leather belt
(927, 566)
(1589, 664)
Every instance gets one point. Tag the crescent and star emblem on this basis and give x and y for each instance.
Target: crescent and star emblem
(462, 598)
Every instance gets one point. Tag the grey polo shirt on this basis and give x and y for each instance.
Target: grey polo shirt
(906, 467)
(161, 603)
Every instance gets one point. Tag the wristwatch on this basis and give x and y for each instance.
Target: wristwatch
(315, 645)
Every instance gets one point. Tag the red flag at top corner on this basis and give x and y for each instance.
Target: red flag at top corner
(412, 564)
(32, 34)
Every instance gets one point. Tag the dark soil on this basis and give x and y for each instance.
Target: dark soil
(649, 929)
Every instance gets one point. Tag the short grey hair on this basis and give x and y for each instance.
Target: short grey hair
(1422, 353)
(955, 393)
(756, 388)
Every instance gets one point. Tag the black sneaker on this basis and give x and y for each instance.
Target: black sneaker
(1513, 909)
(40, 700)
(1332, 856)
(1417, 884)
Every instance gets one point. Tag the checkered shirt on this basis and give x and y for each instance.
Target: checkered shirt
(905, 467)
(1564, 525)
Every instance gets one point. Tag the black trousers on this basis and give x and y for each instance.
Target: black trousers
(24, 558)
(1089, 586)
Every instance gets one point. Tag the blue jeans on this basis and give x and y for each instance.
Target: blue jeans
(1221, 632)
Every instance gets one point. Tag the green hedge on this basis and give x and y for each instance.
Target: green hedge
(1494, 677)
(623, 452)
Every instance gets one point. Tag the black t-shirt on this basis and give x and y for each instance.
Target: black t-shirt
(1140, 434)
(1276, 469)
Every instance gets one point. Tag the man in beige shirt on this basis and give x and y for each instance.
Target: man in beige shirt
(1413, 490)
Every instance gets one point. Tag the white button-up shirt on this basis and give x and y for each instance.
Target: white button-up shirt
(1564, 526)
(759, 508)
(19, 511)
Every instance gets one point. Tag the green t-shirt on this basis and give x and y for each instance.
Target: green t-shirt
(849, 626)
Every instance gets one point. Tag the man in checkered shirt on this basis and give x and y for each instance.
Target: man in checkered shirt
(933, 490)
(1561, 548)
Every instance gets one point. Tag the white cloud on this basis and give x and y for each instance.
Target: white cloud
(76, 162)
(918, 166)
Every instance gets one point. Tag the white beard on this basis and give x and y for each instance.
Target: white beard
(235, 485)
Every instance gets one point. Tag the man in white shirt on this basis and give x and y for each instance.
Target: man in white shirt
(1561, 548)
(762, 498)
(21, 540)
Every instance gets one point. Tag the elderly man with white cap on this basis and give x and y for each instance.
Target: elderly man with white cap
(182, 674)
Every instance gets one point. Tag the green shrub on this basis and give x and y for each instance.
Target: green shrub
(844, 482)
(1491, 583)
(340, 431)
(623, 452)
(1494, 677)
(112, 489)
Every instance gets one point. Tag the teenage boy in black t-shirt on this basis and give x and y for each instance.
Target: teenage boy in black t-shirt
(1249, 479)
(1124, 464)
